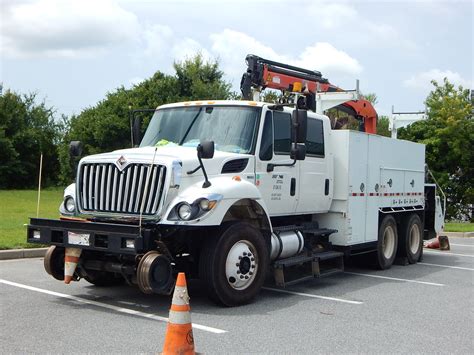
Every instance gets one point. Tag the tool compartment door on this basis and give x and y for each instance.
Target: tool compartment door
(357, 199)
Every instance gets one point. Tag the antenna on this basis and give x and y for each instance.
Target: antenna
(39, 185)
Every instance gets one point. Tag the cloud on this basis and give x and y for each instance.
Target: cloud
(231, 47)
(64, 28)
(423, 80)
(364, 32)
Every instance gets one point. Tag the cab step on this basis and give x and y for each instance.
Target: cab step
(303, 267)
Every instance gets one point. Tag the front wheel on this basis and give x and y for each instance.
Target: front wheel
(233, 264)
(387, 243)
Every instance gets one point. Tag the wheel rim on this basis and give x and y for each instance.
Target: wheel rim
(414, 238)
(388, 242)
(241, 265)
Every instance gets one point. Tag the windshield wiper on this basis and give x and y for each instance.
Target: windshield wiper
(190, 126)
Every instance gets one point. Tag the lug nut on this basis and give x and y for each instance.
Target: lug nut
(253, 266)
(241, 276)
(253, 259)
(240, 258)
(238, 271)
(237, 264)
(246, 277)
(245, 254)
(250, 273)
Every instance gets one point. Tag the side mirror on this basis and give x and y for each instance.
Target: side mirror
(205, 150)
(299, 125)
(298, 152)
(136, 131)
(75, 149)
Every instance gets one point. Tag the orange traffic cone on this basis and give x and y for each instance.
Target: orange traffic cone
(434, 244)
(441, 242)
(71, 259)
(179, 333)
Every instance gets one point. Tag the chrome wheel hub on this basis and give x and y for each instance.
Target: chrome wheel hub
(241, 265)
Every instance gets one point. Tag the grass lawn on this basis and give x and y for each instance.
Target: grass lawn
(16, 206)
(459, 227)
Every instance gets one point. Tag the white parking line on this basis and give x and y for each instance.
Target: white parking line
(462, 245)
(109, 306)
(395, 279)
(447, 266)
(446, 253)
(312, 296)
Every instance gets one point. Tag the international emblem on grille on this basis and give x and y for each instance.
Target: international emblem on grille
(121, 163)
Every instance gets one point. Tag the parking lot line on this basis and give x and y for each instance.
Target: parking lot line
(446, 253)
(395, 279)
(448, 266)
(312, 296)
(463, 245)
(108, 306)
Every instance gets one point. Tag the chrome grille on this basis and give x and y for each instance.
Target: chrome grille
(104, 188)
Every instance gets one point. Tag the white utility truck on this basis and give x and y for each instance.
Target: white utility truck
(230, 191)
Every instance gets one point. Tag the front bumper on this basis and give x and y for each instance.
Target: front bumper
(102, 237)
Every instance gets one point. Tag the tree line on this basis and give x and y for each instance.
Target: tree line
(29, 128)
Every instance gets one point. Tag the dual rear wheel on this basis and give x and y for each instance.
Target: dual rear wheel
(404, 240)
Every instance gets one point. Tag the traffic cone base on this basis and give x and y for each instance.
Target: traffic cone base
(179, 337)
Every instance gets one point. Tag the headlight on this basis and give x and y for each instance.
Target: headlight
(185, 211)
(69, 204)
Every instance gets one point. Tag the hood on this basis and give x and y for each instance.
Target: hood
(166, 155)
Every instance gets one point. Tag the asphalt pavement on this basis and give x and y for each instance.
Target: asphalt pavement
(422, 308)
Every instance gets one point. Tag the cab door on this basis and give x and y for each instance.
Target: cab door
(279, 187)
(315, 177)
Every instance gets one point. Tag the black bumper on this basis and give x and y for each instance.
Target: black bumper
(102, 237)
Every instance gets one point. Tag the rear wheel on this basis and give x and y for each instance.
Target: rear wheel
(387, 243)
(234, 264)
(411, 238)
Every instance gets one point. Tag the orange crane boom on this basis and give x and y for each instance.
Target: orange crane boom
(263, 73)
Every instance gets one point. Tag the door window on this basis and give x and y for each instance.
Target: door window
(282, 132)
(315, 138)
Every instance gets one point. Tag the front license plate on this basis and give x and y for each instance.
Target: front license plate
(78, 238)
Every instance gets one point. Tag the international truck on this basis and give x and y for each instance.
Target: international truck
(231, 192)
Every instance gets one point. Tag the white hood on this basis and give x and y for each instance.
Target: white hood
(166, 155)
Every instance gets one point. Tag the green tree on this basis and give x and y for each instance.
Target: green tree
(106, 126)
(382, 126)
(449, 137)
(27, 129)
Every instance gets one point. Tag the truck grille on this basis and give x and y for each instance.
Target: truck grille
(103, 188)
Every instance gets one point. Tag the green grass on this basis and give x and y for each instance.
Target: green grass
(459, 227)
(16, 206)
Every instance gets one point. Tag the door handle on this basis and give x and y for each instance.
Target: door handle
(293, 187)
(326, 187)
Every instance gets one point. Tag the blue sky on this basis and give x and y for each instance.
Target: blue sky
(72, 52)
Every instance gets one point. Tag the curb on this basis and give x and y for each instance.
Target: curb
(458, 234)
(22, 253)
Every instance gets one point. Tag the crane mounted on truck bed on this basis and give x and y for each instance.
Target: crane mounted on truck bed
(263, 73)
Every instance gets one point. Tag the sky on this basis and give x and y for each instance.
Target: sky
(72, 52)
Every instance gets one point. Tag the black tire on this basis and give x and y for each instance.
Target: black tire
(410, 243)
(103, 279)
(387, 243)
(245, 244)
(54, 262)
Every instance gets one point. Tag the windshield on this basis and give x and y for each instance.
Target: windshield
(232, 128)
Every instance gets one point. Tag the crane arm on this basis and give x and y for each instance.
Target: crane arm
(263, 73)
